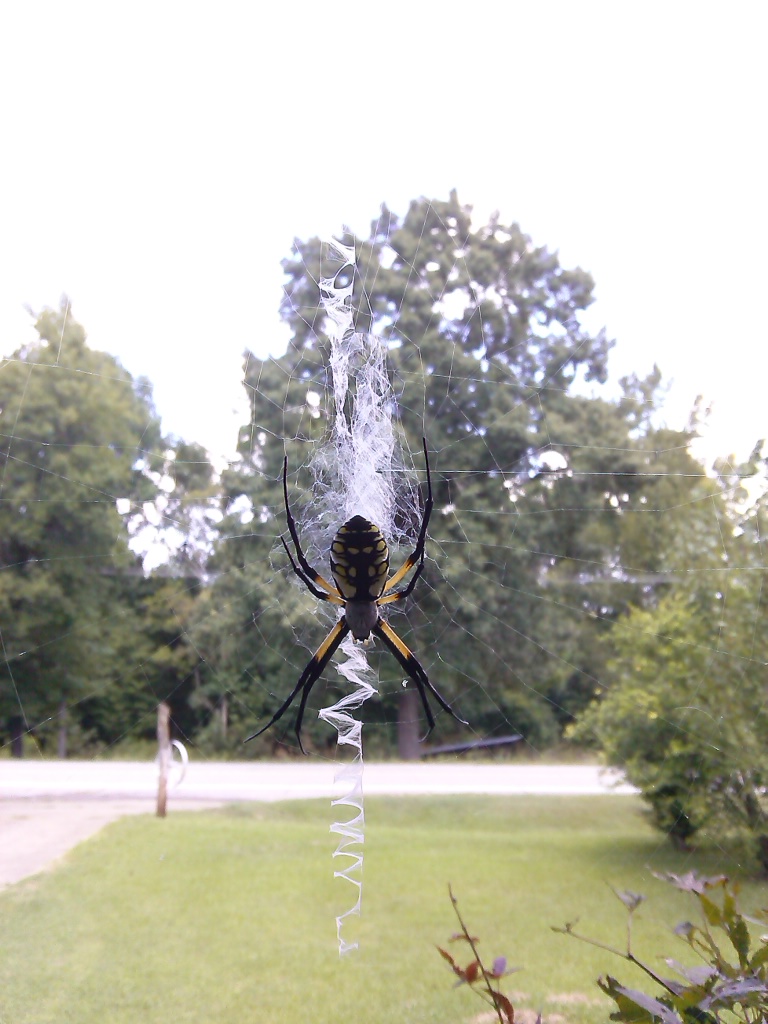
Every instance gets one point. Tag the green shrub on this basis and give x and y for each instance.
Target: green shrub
(730, 981)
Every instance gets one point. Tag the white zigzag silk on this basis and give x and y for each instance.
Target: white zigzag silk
(359, 459)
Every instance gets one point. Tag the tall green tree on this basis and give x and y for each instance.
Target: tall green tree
(78, 435)
(490, 360)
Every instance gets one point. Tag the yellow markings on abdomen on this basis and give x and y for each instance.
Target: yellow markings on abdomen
(359, 560)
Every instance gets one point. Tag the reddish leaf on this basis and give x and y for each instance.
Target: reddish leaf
(454, 966)
(472, 972)
(505, 1006)
(446, 956)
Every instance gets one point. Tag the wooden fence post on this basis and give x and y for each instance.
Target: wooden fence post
(163, 756)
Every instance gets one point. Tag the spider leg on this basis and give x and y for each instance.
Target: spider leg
(309, 572)
(307, 680)
(334, 598)
(417, 555)
(415, 671)
(399, 595)
(316, 667)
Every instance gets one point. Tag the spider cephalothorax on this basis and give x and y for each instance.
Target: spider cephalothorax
(359, 559)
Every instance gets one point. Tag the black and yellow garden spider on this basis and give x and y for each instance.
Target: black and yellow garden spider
(359, 560)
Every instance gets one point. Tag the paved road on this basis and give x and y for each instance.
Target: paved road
(259, 780)
(47, 807)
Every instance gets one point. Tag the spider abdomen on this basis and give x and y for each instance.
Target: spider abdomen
(359, 560)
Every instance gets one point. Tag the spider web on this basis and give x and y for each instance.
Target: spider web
(334, 497)
(449, 599)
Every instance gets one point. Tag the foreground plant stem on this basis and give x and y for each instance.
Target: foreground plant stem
(493, 1000)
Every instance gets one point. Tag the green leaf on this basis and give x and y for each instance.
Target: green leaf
(760, 958)
(636, 1007)
(738, 933)
(712, 912)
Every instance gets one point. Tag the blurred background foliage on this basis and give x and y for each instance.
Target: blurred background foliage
(588, 581)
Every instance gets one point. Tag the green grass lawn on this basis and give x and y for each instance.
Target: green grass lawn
(228, 916)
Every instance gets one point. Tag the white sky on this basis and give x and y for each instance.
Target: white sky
(159, 158)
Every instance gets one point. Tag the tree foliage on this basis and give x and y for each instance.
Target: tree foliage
(79, 436)
(684, 706)
(534, 479)
(578, 556)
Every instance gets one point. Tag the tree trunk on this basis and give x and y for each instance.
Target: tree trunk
(408, 742)
(62, 737)
(17, 736)
(762, 854)
(756, 819)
